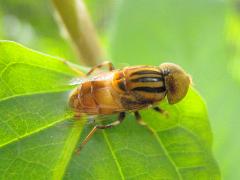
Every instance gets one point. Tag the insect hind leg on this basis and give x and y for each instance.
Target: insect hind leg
(89, 136)
(106, 63)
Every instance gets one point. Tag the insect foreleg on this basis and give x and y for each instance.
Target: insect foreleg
(89, 136)
(141, 122)
(160, 110)
(107, 63)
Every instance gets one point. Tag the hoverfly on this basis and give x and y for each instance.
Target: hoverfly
(128, 90)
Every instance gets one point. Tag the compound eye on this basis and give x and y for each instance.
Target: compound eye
(177, 88)
(177, 82)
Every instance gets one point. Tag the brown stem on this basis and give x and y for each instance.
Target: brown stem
(78, 24)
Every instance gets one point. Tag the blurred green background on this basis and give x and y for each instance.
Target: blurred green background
(202, 36)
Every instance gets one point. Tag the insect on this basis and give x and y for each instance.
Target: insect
(128, 90)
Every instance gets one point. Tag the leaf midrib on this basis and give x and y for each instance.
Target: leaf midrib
(68, 150)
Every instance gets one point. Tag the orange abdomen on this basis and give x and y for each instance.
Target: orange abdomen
(95, 97)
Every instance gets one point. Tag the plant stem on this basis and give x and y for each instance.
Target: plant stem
(79, 26)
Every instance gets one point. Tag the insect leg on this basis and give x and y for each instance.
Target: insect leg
(89, 136)
(86, 139)
(115, 123)
(107, 63)
(141, 122)
(162, 111)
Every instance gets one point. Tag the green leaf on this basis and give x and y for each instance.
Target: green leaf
(37, 142)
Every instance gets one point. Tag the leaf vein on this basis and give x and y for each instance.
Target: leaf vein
(113, 154)
(167, 154)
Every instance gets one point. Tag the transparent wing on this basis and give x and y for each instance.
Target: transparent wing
(100, 76)
(78, 80)
(88, 121)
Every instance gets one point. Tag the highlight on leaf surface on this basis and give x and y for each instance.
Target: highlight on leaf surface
(34, 90)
